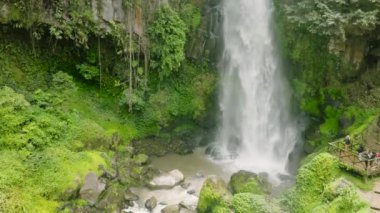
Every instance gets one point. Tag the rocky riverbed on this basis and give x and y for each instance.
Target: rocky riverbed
(170, 184)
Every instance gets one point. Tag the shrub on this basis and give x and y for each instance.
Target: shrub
(63, 83)
(214, 196)
(168, 38)
(311, 181)
(247, 202)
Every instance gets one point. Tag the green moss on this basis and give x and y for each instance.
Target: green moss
(358, 180)
(311, 180)
(247, 182)
(214, 196)
(247, 202)
(35, 183)
(344, 198)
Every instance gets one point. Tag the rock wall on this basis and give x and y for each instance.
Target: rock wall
(208, 38)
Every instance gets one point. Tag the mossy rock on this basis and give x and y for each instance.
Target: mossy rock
(248, 202)
(113, 198)
(141, 159)
(248, 182)
(214, 196)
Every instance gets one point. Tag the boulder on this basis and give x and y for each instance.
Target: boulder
(115, 197)
(248, 182)
(171, 209)
(151, 203)
(248, 202)
(91, 188)
(167, 180)
(214, 195)
(141, 159)
(130, 196)
(189, 204)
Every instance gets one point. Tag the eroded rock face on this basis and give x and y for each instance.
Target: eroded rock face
(91, 188)
(167, 180)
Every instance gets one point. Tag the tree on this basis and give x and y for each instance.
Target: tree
(335, 18)
(167, 34)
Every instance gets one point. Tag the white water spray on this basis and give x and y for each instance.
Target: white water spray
(256, 129)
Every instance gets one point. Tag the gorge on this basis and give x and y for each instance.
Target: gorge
(209, 106)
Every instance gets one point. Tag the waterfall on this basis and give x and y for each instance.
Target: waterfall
(257, 131)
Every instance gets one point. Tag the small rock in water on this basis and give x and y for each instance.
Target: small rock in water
(171, 209)
(185, 185)
(163, 203)
(167, 180)
(199, 175)
(189, 204)
(151, 203)
(191, 192)
(130, 196)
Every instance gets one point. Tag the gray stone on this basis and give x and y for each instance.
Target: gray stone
(191, 192)
(167, 180)
(91, 188)
(189, 204)
(130, 196)
(171, 209)
(151, 203)
(185, 185)
(118, 10)
(108, 10)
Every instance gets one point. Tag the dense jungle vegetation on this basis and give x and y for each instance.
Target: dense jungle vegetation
(81, 81)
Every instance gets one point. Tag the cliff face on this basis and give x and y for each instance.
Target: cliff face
(78, 19)
(333, 51)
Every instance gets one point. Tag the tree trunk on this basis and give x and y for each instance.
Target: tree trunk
(130, 61)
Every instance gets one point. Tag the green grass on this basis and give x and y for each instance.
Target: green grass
(358, 180)
(97, 105)
(36, 182)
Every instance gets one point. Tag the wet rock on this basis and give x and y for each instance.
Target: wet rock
(141, 159)
(185, 185)
(248, 182)
(214, 194)
(167, 180)
(91, 188)
(130, 196)
(171, 209)
(191, 192)
(189, 204)
(151, 203)
(114, 198)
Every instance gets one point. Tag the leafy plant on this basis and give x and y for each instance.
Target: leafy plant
(168, 38)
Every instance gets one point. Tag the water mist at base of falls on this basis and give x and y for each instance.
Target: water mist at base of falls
(257, 130)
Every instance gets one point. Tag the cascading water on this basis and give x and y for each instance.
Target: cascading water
(257, 130)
